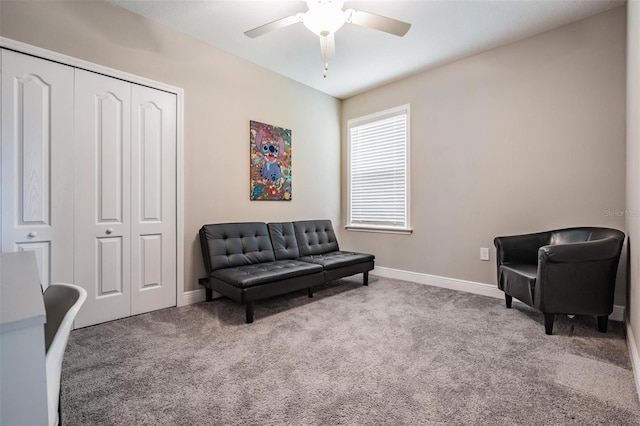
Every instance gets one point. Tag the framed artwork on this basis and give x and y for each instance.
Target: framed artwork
(270, 162)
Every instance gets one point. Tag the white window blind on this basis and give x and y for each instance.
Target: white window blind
(378, 170)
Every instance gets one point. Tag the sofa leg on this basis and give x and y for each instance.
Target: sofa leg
(508, 300)
(602, 323)
(208, 294)
(249, 312)
(366, 277)
(548, 324)
(310, 291)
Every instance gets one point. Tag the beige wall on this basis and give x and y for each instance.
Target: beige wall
(522, 138)
(222, 93)
(633, 168)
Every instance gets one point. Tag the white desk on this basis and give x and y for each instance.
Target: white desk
(23, 385)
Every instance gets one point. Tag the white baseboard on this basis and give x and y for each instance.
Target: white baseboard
(618, 313)
(197, 296)
(437, 281)
(194, 296)
(461, 285)
(633, 354)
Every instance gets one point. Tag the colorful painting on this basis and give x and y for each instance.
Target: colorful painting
(270, 162)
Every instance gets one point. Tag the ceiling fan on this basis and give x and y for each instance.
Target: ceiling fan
(325, 17)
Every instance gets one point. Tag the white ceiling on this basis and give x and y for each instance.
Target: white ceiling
(441, 31)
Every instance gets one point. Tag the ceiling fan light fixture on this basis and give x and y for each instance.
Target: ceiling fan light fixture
(324, 18)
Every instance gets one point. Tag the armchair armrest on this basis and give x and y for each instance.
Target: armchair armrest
(577, 278)
(520, 248)
(587, 251)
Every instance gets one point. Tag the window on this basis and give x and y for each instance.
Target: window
(378, 171)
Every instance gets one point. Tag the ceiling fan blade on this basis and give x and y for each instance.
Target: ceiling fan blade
(272, 26)
(327, 47)
(377, 22)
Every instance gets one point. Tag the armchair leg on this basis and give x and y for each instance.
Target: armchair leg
(310, 291)
(249, 312)
(208, 294)
(508, 299)
(548, 324)
(366, 277)
(602, 323)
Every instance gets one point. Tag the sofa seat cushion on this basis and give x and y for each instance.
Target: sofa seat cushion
(518, 280)
(338, 259)
(263, 273)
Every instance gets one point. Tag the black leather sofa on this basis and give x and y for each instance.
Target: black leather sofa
(565, 271)
(249, 261)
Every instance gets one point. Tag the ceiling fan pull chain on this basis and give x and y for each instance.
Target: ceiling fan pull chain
(326, 49)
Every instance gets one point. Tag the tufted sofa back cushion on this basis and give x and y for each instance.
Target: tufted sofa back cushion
(283, 238)
(227, 245)
(315, 237)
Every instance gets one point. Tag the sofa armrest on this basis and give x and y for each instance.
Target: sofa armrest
(587, 251)
(520, 248)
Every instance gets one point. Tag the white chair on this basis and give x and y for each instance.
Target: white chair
(62, 303)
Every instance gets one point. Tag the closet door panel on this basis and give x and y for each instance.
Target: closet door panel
(102, 196)
(37, 145)
(153, 199)
(88, 173)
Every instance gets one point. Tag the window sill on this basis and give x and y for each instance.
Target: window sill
(379, 229)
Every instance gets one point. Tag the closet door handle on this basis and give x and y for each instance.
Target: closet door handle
(32, 234)
(109, 231)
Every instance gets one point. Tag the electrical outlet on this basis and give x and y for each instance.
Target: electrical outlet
(484, 253)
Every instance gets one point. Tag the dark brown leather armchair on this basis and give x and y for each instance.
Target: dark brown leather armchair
(567, 271)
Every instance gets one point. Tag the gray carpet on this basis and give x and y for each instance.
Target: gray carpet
(393, 353)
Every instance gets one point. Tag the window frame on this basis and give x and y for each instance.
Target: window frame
(371, 118)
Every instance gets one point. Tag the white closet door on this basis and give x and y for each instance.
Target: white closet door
(102, 196)
(37, 152)
(153, 200)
